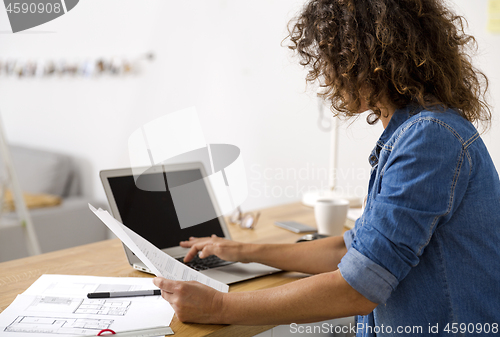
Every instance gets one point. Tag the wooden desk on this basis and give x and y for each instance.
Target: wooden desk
(106, 258)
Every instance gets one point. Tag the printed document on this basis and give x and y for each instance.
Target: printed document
(160, 263)
(57, 305)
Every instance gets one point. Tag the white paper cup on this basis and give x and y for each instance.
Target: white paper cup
(331, 215)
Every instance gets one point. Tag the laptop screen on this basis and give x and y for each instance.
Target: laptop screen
(152, 214)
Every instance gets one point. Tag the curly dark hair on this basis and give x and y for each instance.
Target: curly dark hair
(397, 51)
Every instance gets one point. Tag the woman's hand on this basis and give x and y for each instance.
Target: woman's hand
(191, 300)
(225, 249)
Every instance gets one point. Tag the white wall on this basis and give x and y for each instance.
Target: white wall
(222, 56)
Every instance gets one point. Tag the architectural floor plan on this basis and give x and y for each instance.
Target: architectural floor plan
(57, 305)
(57, 325)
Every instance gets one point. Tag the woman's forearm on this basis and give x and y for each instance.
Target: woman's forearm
(312, 257)
(312, 299)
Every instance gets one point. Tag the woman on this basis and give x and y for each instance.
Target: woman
(426, 251)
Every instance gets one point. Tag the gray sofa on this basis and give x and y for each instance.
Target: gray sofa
(67, 225)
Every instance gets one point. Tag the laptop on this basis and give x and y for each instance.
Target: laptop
(151, 214)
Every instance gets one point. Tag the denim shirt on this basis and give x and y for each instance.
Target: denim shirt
(427, 247)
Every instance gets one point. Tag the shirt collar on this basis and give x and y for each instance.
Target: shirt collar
(399, 117)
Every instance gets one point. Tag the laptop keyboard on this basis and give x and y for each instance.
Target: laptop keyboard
(207, 263)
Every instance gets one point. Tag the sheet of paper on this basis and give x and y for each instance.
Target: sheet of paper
(354, 214)
(160, 263)
(57, 305)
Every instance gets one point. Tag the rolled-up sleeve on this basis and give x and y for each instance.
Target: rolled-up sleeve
(419, 182)
(367, 277)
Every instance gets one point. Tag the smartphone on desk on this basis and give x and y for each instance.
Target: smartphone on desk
(295, 227)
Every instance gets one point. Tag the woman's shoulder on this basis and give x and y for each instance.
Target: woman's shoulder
(437, 125)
